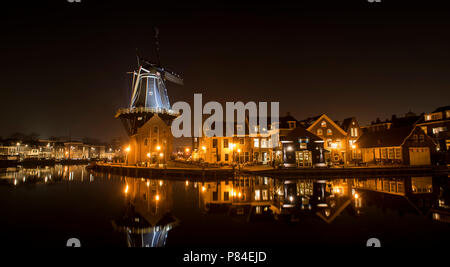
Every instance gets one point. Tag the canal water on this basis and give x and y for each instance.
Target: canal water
(45, 207)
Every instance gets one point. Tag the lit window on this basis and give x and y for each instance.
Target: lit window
(421, 138)
(256, 142)
(263, 143)
(323, 124)
(329, 132)
(319, 132)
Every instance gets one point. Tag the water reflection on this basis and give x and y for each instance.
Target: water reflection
(150, 208)
(146, 218)
(294, 199)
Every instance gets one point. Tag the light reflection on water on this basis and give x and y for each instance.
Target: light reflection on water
(51, 204)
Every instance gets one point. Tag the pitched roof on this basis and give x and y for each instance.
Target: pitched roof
(386, 138)
(346, 123)
(299, 132)
(324, 116)
(441, 109)
(309, 121)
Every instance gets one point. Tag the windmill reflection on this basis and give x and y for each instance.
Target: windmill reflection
(146, 218)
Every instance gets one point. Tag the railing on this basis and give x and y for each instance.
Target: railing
(146, 110)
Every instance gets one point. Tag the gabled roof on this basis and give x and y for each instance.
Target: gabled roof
(309, 121)
(386, 138)
(323, 116)
(299, 132)
(441, 109)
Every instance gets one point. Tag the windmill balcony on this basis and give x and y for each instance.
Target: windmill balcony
(124, 111)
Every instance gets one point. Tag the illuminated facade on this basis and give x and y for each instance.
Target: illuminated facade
(334, 137)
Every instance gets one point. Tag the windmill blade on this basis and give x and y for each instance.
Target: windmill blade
(173, 78)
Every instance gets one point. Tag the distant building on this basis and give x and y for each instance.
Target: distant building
(398, 145)
(437, 125)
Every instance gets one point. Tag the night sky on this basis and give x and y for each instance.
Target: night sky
(64, 64)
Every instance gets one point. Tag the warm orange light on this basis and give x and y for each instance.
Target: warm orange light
(158, 148)
(157, 197)
(239, 150)
(203, 188)
(353, 146)
(187, 183)
(161, 155)
(204, 148)
(148, 155)
(148, 183)
(160, 183)
(356, 196)
(187, 149)
(127, 149)
(126, 189)
(239, 195)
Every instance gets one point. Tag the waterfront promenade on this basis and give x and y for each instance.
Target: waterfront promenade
(195, 171)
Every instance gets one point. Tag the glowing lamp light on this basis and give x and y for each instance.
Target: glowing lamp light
(203, 188)
(158, 148)
(356, 196)
(353, 146)
(161, 155)
(239, 150)
(160, 183)
(239, 194)
(204, 148)
(187, 150)
(126, 189)
(148, 155)
(157, 197)
(291, 198)
(148, 183)
(127, 149)
(187, 183)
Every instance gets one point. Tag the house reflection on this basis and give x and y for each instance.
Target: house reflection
(251, 198)
(404, 194)
(321, 198)
(255, 198)
(146, 218)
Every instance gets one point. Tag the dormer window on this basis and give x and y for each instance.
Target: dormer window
(323, 124)
(329, 132)
(319, 132)
(292, 124)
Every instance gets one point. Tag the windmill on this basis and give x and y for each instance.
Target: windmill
(149, 92)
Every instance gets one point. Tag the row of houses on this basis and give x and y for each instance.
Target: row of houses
(50, 149)
(319, 141)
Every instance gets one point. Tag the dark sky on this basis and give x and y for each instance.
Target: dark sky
(64, 64)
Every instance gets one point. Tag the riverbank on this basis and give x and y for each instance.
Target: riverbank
(349, 171)
(32, 163)
(165, 172)
(264, 170)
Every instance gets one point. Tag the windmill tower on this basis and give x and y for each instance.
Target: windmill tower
(148, 118)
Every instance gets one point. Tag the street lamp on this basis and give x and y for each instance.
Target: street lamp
(127, 150)
(204, 153)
